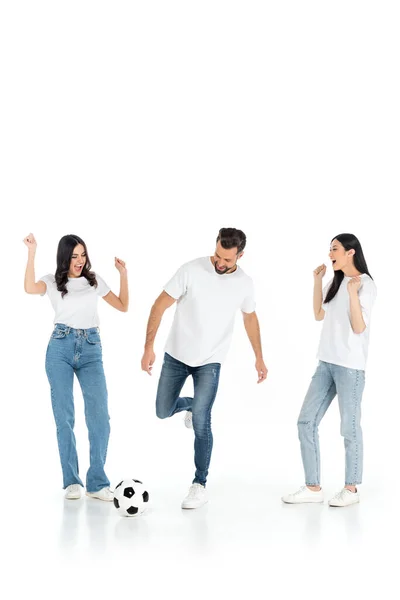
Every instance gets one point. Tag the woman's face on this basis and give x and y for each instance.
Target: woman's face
(78, 261)
(340, 257)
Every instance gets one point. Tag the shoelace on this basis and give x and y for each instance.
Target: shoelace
(193, 491)
(300, 491)
(340, 494)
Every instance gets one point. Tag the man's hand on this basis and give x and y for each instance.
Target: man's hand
(261, 370)
(148, 360)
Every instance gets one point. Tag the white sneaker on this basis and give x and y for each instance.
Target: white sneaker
(188, 419)
(304, 494)
(344, 498)
(104, 494)
(196, 497)
(73, 492)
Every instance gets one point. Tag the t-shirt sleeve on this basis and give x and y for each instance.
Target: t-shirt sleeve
(367, 296)
(48, 279)
(177, 286)
(102, 288)
(249, 302)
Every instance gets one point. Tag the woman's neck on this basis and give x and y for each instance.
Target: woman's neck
(351, 271)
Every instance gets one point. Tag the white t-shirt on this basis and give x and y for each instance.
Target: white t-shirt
(339, 344)
(78, 308)
(205, 313)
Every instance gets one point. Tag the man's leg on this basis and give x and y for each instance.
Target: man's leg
(173, 376)
(205, 379)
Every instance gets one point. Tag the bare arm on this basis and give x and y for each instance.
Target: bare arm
(120, 302)
(357, 322)
(163, 302)
(252, 327)
(30, 285)
(319, 312)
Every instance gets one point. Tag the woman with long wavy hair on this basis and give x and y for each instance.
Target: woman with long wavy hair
(75, 348)
(345, 306)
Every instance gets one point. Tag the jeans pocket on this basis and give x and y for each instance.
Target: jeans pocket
(93, 338)
(58, 334)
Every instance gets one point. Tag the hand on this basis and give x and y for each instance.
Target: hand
(148, 361)
(319, 272)
(354, 285)
(261, 370)
(120, 265)
(30, 242)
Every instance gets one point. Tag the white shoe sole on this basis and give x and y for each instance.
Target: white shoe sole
(192, 507)
(72, 497)
(316, 501)
(344, 505)
(90, 495)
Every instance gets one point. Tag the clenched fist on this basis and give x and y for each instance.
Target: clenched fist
(319, 272)
(30, 242)
(120, 265)
(354, 285)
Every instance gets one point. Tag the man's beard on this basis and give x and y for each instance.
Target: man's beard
(224, 271)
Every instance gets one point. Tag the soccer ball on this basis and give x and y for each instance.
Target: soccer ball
(130, 497)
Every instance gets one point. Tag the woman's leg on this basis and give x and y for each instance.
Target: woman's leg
(320, 394)
(90, 373)
(60, 374)
(350, 386)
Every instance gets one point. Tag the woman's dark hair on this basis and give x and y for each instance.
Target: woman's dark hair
(232, 238)
(349, 242)
(65, 251)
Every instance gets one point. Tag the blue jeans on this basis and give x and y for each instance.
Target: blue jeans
(205, 381)
(79, 351)
(329, 380)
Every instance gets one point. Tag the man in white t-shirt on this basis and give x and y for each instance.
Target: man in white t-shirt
(208, 291)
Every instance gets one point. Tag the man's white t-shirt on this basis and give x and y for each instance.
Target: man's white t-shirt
(78, 308)
(339, 344)
(202, 329)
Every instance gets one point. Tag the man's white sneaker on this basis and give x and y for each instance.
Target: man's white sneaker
(104, 494)
(303, 495)
(188, 419)
(196, 497)
(73, 492)
(344, 498)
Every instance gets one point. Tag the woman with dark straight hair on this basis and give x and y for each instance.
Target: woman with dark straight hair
(75, 348)
(345, 306)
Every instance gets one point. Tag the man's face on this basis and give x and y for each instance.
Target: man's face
(225, 260)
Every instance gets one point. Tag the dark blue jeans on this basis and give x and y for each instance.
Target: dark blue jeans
(78, 352)
(205, 380)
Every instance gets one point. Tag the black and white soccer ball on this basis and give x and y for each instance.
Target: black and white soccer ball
(131, 498)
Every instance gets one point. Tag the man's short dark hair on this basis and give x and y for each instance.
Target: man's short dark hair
(232, 238)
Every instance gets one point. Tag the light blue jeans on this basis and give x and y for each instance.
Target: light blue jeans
(78, 351)
(329, 380)
(205, 382)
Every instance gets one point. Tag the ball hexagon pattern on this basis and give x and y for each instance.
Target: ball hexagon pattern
(130, 498)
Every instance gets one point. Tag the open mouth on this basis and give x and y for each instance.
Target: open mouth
(333, 262)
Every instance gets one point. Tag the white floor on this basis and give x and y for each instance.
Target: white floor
(244, 543)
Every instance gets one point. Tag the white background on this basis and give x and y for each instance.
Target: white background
(144, 127)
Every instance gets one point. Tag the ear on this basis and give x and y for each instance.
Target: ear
(240, 255)
(352, 252)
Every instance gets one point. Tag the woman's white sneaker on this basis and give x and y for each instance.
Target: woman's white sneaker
(73, 492)
(303, 495)
(104, 494)
(344, 498)
(196, 497)
(188, 420)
